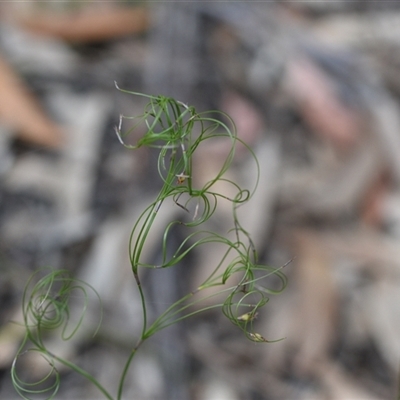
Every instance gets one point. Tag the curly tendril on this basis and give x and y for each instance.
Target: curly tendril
(47, 385)
(50, 304)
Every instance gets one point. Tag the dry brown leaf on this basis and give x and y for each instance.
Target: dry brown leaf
(92, 25)
(316, 316)
(320, 106)
(339, 386)
(367, 246)
(22, 113)
(372, 204)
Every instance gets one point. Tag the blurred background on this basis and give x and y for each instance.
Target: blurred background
(313, 88)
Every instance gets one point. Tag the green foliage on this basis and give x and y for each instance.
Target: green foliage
(177, 130)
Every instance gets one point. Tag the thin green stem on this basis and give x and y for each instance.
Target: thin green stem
(85, 374)
(126, 368)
